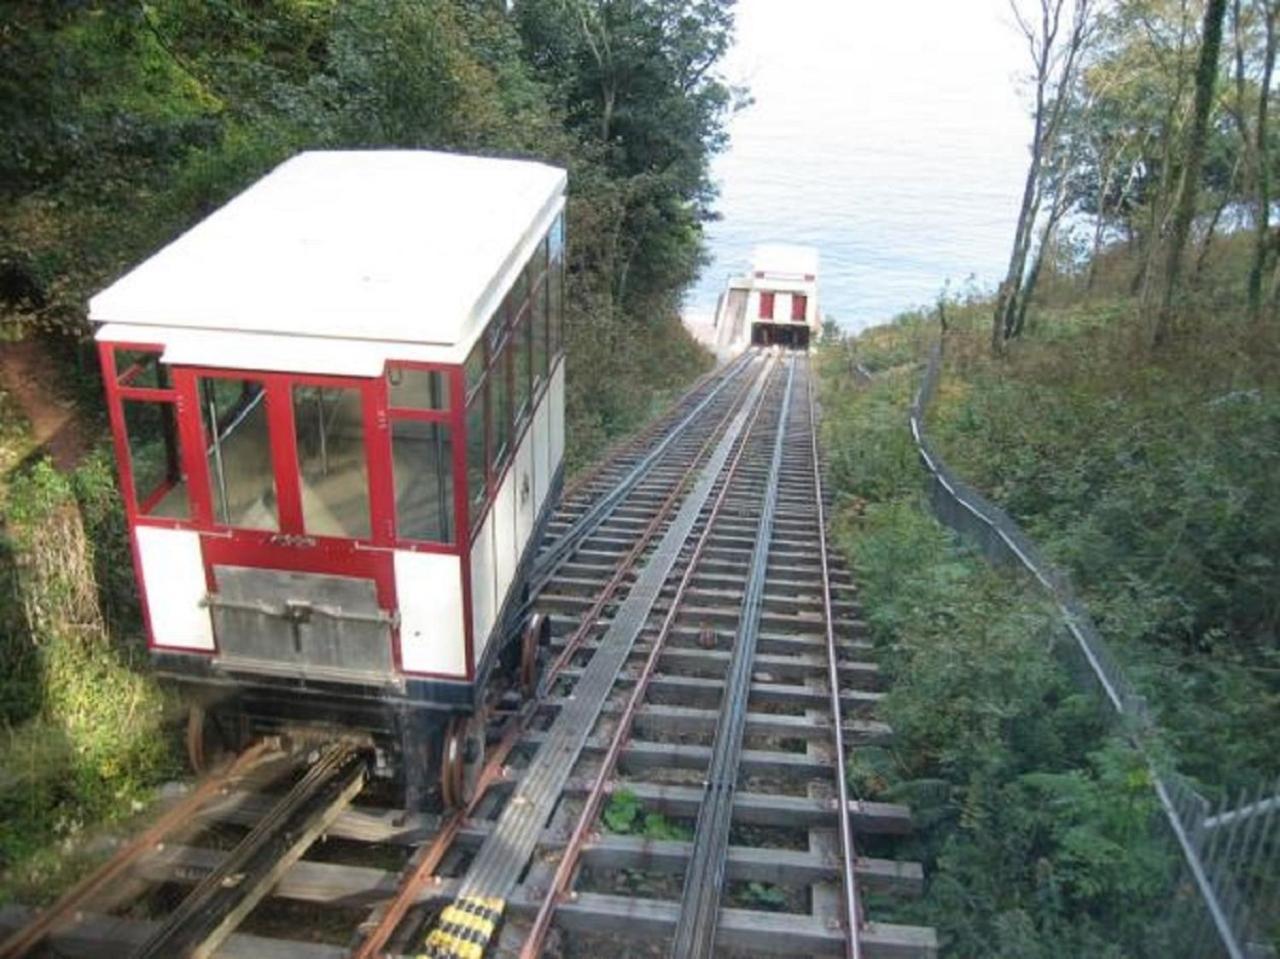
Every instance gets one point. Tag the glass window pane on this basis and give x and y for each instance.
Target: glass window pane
(423, 457)
(520, 358)
(517, 296)
(143, 369)
(475, 366)
(238, 449)
(500, 406)
(412, 389)
(495, 331)
(159, 488)
(475, 449)
(556, 238)
(541, 341)
(334, 482)
(541, 256)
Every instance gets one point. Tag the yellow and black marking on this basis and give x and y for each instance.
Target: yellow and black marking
(464, 929)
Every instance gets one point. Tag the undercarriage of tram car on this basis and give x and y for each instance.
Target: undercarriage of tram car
(426, 736)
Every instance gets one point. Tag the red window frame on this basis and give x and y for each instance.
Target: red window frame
(766, 305)
(799, 307)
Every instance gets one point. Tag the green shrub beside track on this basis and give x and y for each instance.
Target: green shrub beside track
(1033, 823)
(82, 737)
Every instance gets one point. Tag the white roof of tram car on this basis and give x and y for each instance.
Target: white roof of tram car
(337, 261)
(779, 259)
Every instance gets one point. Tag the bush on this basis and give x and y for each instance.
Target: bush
(83, 723)
(1149, 479)
(1035, 826)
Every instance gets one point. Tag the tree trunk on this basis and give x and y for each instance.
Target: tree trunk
(1007, 297)
(1033, 277)
(1206, 78)
(1207, 242)
(1261, 238)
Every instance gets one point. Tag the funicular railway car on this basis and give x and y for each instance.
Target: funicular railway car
(338, 410)
(780, 297)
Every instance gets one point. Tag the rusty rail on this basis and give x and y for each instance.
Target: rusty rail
(87, 889)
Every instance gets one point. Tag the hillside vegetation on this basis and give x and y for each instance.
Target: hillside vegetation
(1149, 477)
(1031, 819)
(124, 123)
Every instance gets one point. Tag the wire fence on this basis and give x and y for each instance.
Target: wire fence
(1230, 854)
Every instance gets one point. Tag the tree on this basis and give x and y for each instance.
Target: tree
(1055, 42)
(1189, 183)
(1253, 136)
(636, 82)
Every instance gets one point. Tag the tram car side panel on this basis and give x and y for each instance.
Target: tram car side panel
(338, 529)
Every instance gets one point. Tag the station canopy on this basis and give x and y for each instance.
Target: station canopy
(339, 260)
(783, 260)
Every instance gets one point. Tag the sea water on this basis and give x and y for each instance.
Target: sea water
(892, 137)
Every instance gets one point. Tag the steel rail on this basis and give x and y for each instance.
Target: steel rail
(631, 443)
(628, 562)
(493, 873)
(423, 871)
(848, 853)
(81, 894)
(557, 552)
(570, 857)
(223, 898)
(704, 882)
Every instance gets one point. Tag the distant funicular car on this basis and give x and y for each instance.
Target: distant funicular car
(780, 296)
(338, 410)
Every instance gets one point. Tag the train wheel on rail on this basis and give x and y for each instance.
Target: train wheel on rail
(207, 742)
(461, 757)
(533, 640)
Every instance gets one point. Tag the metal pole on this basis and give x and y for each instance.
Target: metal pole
(217, 451)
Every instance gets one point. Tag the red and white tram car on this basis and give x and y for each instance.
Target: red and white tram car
(338, 410)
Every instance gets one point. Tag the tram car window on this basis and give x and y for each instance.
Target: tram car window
(338, 413)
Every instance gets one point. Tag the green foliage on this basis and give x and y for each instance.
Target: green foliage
(125, 123)
(1036, 828)
(83, 738)
(625, 814)
(872, 457)
(763, 895)
(1149, 480)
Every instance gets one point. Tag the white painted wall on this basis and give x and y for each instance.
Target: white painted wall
(541, 453)
(504, 536)
(484, 606)
(429, 591)
(522, 473)
(173, 576)
(557, 418)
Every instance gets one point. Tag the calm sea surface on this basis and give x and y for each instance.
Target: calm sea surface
(892, 137)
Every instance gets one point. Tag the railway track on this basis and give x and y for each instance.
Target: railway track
(704, 679)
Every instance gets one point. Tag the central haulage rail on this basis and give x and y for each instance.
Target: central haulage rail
(705, 675)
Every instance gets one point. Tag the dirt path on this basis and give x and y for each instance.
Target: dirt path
(27, 373)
